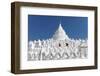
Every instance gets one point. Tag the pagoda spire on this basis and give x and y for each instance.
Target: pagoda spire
(60, 33)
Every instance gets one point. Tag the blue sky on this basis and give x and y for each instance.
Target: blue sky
(43, 27)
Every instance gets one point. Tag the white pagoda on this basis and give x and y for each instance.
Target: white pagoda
(59, 47)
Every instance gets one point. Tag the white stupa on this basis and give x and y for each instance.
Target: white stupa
(59, 47)
(60, 34)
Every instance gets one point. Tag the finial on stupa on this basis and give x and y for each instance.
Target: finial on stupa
(60, 26)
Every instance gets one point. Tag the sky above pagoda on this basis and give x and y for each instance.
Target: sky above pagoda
(43, 27)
